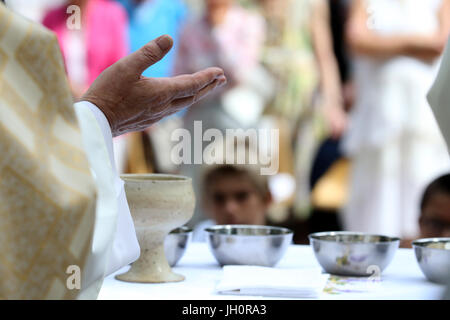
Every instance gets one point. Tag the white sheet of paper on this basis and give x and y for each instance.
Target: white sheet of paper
(272, 282)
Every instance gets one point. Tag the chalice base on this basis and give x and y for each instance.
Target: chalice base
(151, 267)
(151, 278)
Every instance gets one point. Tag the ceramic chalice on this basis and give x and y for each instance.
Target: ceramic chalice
(158, 204)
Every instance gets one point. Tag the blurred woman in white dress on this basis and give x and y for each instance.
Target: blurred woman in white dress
(393, 139)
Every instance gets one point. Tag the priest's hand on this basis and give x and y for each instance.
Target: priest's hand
(132, 102)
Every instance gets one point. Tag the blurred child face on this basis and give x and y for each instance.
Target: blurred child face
(435, 217)
(234, 200)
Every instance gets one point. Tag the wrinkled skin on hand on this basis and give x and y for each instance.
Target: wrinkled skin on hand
(132, 102)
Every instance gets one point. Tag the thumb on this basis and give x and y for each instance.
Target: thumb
(148, 55)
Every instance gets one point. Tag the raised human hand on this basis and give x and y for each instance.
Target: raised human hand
(132, 102)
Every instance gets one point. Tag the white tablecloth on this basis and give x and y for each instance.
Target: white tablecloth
(402, 279)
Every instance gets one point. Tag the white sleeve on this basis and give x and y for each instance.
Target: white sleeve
(114, 223)
(439, 96)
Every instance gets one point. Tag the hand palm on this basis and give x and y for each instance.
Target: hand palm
(132, 102)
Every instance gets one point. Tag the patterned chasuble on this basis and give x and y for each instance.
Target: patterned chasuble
(47, 194)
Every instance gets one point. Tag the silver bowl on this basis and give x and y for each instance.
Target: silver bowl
(353, 253)
(248, 244)
(176, 243)
(433, 256)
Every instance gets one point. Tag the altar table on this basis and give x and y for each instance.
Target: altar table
(402, 279)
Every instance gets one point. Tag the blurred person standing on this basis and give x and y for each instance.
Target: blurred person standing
(226, 33)
(100, 41)
(308, 104)
(329, 172)
(393, 140)
(231, 37)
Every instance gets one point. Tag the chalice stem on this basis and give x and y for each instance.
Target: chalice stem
(152, 265)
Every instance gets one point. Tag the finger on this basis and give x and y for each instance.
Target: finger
(190, 85)
(177, 105)
(148, 55)
(187, 101)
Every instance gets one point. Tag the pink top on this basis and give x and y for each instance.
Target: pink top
(105, 27)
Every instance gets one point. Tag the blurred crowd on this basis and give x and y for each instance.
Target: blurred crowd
(343, 81)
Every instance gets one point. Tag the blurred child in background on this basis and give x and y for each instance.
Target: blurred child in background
(434, 218)
(234, 194)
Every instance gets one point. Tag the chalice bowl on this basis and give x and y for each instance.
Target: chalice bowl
(158, 204)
